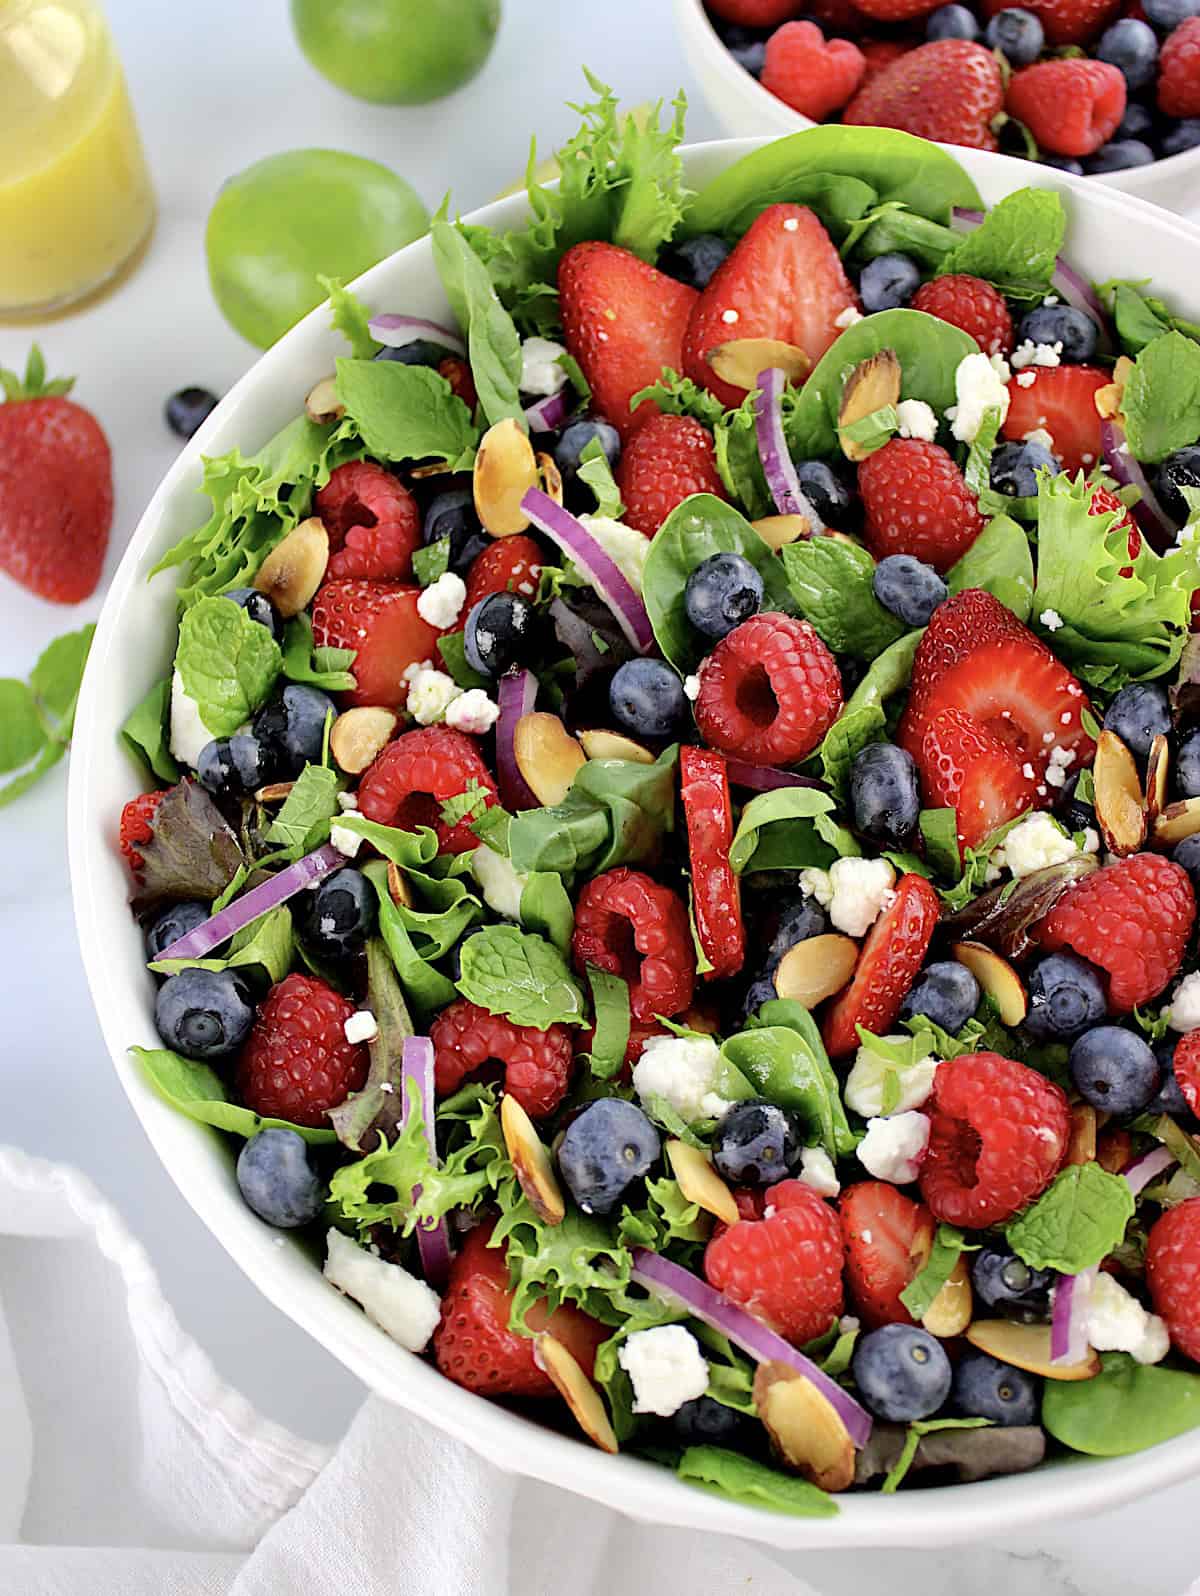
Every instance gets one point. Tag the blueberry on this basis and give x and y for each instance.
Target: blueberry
(761, 990)
(259, 608)
(721, 593)
(793, 920)
(706, 1422)
(337, 917)
(902, 1372)
(204, 1014)
(1137, 714)
(1066, 995)
(756, 1143)
(1168, 14)
(1169, 1098)
(945, 992)
(451, 514)
(851, 671)
(695, 259)
(647, 698)
(752, 56)
(1178, 470)
(171, 924)
(1074, 813)
(1119, 155)
(985, 1388)
(1061, 324)
(909, 588)
(277, 1180)
(829, 495)
(888, 281)
(1184, 137)
(951, 22)
(1016, 34)
(1131, 46)
(187, 409)
(1006, 1283)
(1014, 468)
(605, 1150)
(575, 440)
(1187, 766)
(1064, 163)
(498, 633)
(1187, 857)
(884, 794)
(418, 352)
(293, 727)
(1114, 1069)
(1137, 123)
(232, 767)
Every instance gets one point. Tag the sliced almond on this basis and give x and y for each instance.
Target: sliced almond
(873, 384)
(322, 405)
(921, 1244)
(1114, 1149)
(1027, 1346)
(1176, 822)
(997, 978)
(274, 792)
(576, 1390)
(398, 888)
(295, 568)
(777, 531)
(1110, 399)
(505, 470)
(700, 1183)
(435, 468)
(601, 744)
(1081, 1144)
(1157, 770)
(816, 968)
(551, 477)
(547, 756)
(741, 360)
(805, 1427)
(359, 735)
(531, 1162)
(1118, 801)
(949, 1313)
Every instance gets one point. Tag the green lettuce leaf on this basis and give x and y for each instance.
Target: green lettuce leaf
(266, 943)
(493, 342)
(303, 822)
(146, 732)
(1076, 1222)
(377, 1109)
(939, 832)
(1001, 562)
(680, 396)
(595, 470)
(610, 1005)
(783, 1065)
(349, 316)
(744, 1479)
(615, 813)
(792, 828)
(326, 668)
(546, 908)
(199, 1092)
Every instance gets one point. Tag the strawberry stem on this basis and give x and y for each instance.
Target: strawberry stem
(34, 384)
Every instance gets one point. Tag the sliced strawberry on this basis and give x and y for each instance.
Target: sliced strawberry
(1061, 400)
(888, 1237)
(379, 620)
(963, 623)
(716, 895)
(965, 768)
(894, 951)
(623, 322)
(783, 280)
(506, 565)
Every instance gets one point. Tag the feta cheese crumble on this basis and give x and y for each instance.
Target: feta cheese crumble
(362, 1026)
(691, 687)
(1033, 843)
(666, 1366)
(816, 884)
(867, 1080)
(1026, 379)
(848, 317)
(441, 602)
(472, 711)
(893, 1147)
(683, 1071)
(540, 372)
(189, 735)
(1184, 1013)
(862, 888)
(500, 884)
(400, 1304)
(1030, 354)
(917, 420)
(1051, 620)
(1060, 761)
(625, 546)
(979, 385)
(347, 801)
(1117, 1322)
(430, 692)
(346, 842)
(817, 1171)
(1040, 435)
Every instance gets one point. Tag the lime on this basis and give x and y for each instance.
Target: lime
(285, 219)
(397, 52)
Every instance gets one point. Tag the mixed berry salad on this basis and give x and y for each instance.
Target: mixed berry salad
(1084, 85)
(676, 822)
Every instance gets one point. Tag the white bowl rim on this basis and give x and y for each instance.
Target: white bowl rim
(285, 1274)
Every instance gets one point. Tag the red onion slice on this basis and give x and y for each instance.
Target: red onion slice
(762, 778)
(1152, 519)
(548, 414)
(516, 696)
(1068, 1323)
(306, 872)
(1148, 1167)
(963, 220)
(777, 463)
(673, 1284)
(396, 331)
(610, 582)
(416, 1084)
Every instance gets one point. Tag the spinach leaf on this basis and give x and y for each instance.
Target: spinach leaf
(1127, 1407)
(831, 582)
(743, 1479)
(266, 944)
(739, 463)
(493, 343)
(147, 731)
(406, 412)
(1139, 317)
(863, 720)
(892, 227)
(546, 908)
(610, 1005)
(424, 986)
(199, 1092)
(999, 561)
(615, 813)
(792, 828)
(1077, 1221)
(326, 668)
(1016, 246)
(782, 1066)
(453, 649)
(1161, 401)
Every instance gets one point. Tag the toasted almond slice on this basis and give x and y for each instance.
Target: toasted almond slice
(547, 756)
(1157, 770)
(436, 468)
(1110, 400)
(742, 359)
(358, 735)
(398, 888)
(295, 568)
(997, 978)
(949, 1313)
(873, 384)
(531, 1162)
(921, 1244)
(552, 482)
(778, 530)
(601, 744)
(1081, 1144)
(274, 792)
(576, 1390)
(700, 1183)
(702, 1019)
(1027, 1346)
(805, 1427)
(816, 968)
(1176, 822)
(1118, 802)
(505, 470)
(322, 405)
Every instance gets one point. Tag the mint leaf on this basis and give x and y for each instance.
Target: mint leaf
(56, 677)
(939, 830)
(303, 822)
(349, 316)
(493, 343)
(949, 1244)
(431, 561)
(1075, 1223)
(999, 561)
(326, 668)
(228, 662)
(595, 470)
(742, 1479)
(1016, 246)
(405, 412)
(511, 972)
(22, 733)
(147, 730)
(831, 582)
(610, 1004)
(36, 721)
(1161, 401)
(199, 1092)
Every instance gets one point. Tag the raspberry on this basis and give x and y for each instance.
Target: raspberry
(810, 75)
(627, 924)
(886, 1235)
(1187, 1069)
(373, 523)
(1179, 71)
(716, 893)
(1071, 107)
(1173, 1274)
(769, 691)
(297, 1063)
(998, 1135)
(969, 303)
(537, 1064)
(917, 502)
(669, 458)
(458, 374)
(786, 1268)
(413, 777)
(894, 951)
(507, 565)
(137, 825)
(1133, 919)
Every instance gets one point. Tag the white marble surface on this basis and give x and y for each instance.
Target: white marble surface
(217, 86)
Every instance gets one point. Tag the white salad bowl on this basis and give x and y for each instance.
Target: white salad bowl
(1110, 234)
(746, 110)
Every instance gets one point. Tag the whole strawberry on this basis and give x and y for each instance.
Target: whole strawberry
(56, 492)
(1071, 107)
(669, 458)
(949, 90)
(808, 73)
(1179, 71)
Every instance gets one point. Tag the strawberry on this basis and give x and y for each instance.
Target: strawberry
(669, 458)
(887, 1237)
(1062, 401)
(754, 13)
(623, 322)
(1179, 71)
(783, 280)
(56, 492)
(1065, 21)
(506, 565)
(917, 502)
(896, 10)
(379, 620)
(949, 90)
(879, 53)
(892, 954)
(1173, 1274)
(458, 374)
(969, 303)
(967, 769)
(812, 76)
(1072, 106)
(716, 894)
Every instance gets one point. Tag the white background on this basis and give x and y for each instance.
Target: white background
(217, 86)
